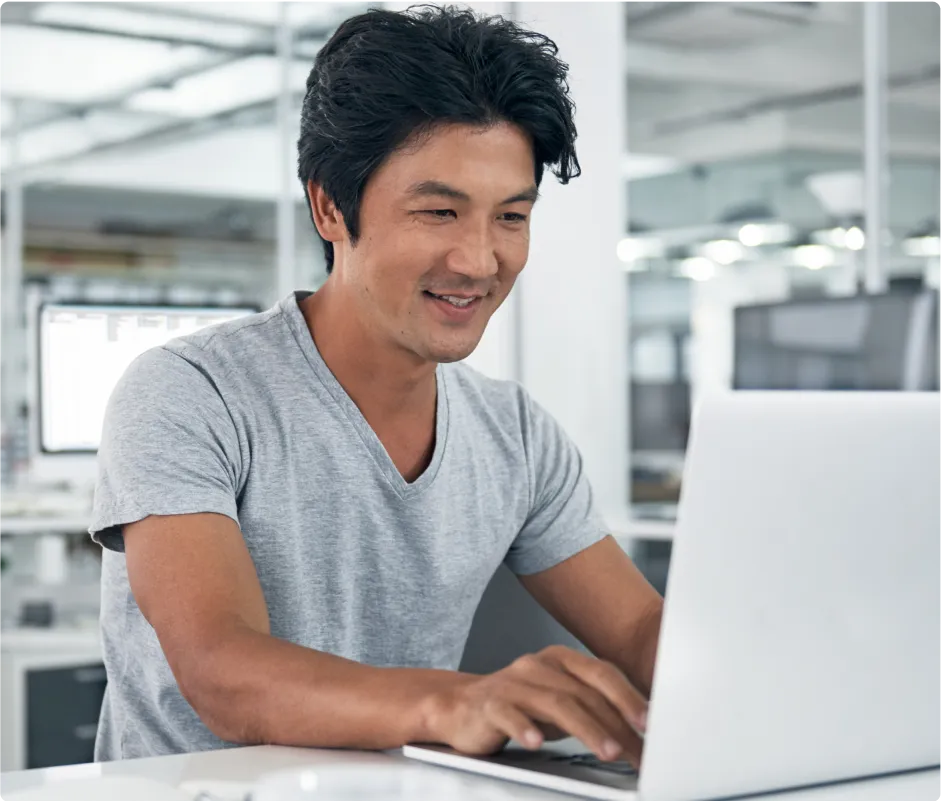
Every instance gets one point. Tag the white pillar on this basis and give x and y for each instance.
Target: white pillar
(573, 292)
(11, 293)
(287, 153)
(875, 63)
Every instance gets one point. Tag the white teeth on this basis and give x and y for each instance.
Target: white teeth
(455, 301)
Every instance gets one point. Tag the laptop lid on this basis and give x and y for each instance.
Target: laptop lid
(800, 641)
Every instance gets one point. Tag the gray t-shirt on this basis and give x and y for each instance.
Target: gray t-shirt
(245, 419)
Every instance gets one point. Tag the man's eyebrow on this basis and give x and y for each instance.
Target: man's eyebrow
(438, 189)
(530, 195)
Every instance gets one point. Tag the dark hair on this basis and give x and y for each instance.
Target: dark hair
(385, 78)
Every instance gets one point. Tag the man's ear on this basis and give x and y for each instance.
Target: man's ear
(327, 217)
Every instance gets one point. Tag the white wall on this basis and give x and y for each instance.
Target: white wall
(573, 293)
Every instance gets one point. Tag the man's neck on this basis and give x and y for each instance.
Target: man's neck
(384, 381)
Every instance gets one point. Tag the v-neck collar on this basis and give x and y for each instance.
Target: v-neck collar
(298, 325)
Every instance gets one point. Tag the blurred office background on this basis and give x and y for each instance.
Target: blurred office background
(759, 209)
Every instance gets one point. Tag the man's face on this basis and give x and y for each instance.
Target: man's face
(444, 232)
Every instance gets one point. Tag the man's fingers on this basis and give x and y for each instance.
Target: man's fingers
(550, 675)
(514, 724)
(567, 712)
(631, 744)
(607, 680)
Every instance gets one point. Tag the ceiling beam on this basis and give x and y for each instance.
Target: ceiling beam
(172, 12)
(759, 68)
(161, 38)
(312, 34)
(255, 113)
(789, 102)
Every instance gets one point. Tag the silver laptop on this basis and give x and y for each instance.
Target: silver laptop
(800, 640)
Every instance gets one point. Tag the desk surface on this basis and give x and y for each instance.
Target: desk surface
(248, 764)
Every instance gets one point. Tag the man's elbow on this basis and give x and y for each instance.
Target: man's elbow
(220, 693)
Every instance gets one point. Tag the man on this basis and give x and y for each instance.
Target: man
(311, 501)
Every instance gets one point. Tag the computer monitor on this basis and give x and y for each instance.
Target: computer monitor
(82, 349)
(660, 414)
(867, 342)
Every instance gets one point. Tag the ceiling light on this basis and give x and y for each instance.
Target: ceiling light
(632, 248)
(835, 237)
(723, 251)
(854, 239)
(840, 193)
(814, 257)
(750, 235)
(647, 165)
(922, 246)
(698, 268)
(753, 235)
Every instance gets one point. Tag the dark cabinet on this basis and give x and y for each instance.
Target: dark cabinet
(62, 709)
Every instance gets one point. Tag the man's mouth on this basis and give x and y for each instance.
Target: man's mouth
(458, 301)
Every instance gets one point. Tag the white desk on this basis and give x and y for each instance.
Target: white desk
(248, 764)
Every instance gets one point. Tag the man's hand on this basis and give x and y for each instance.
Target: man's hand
(555, 693)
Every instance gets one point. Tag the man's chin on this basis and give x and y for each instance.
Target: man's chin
(452, 352)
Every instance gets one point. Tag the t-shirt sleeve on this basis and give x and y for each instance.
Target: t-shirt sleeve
(169, 446)
(563, 519)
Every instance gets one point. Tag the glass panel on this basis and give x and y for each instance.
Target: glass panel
(754, 112)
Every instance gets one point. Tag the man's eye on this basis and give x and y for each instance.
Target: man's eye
(514, 217)
(442, 213)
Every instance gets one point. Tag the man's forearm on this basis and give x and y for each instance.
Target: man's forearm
(253, 688)
(637, 659)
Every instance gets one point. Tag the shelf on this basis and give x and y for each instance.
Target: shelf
(44, 525)
(55, 638)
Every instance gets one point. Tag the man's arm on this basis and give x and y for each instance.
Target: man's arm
(195, 583)
(601, 597)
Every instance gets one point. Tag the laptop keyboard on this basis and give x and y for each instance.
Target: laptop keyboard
(621, 768)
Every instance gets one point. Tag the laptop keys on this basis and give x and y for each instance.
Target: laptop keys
(621, 768)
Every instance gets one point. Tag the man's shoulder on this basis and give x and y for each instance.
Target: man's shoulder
(477, 389)
(496, 405)
(222, 355)
(505, 405)
(243, 336)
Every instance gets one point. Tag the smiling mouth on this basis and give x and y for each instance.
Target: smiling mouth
(455, 300)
